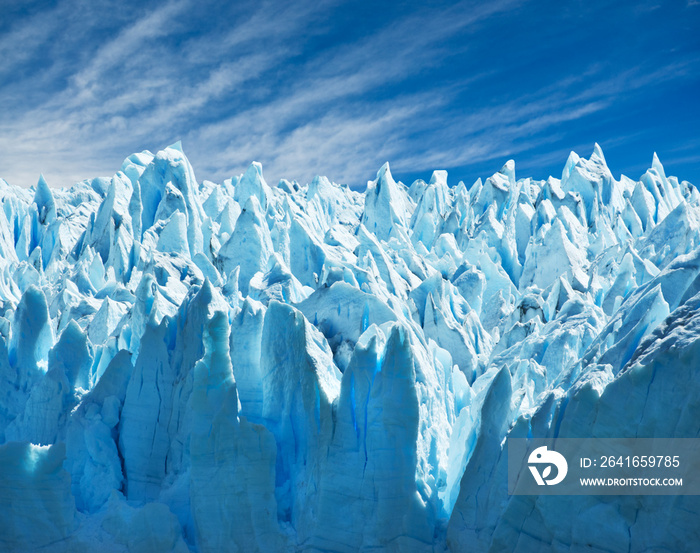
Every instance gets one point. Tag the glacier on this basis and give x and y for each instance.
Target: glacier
(240, 367)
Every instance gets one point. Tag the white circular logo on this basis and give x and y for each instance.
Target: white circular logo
(542, 457)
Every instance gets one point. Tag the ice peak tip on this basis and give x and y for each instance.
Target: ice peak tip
(598, 151)
(508, 170)
(252, 204)
(206, 286)
(176, 146)
(43, 190)
(252, 183)
(254, 172)
(383, 170)
(384, 177)
(439, 176)
(656, 164)
(572, 159)
(72, 331)
(43, 198)
(508, 166)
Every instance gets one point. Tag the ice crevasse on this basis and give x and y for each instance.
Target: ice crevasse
(207, 367)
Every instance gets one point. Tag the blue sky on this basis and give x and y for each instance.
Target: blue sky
(338, 88)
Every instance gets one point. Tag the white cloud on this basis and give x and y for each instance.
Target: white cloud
(256, 90)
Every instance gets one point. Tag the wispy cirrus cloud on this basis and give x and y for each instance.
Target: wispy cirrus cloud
(313, 88)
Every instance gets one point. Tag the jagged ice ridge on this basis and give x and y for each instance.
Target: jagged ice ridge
(210, 367)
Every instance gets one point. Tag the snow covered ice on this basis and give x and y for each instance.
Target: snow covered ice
(242, 367)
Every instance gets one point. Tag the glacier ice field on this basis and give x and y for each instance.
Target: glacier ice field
(240, 367)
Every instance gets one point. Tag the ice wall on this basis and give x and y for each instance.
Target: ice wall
(245, 367)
